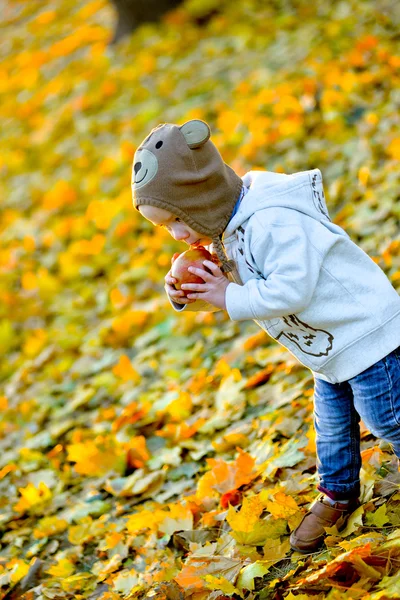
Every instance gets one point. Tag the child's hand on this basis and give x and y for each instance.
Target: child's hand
(214, 286)
(177, 296)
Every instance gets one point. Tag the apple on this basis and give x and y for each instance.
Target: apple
(191, 258)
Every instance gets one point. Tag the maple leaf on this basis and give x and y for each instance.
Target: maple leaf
(179, 518)
(378, 518)
(247, 575)
(351, 560)
(144, 519)
(49, 526)
(94, 459)
(126, 582)
(220, 583)
(353, 523)
(125, 370)
(227, 477)
(389, 588)
(282, 506)
(195, 569)
(85, 531)
(248, 528)
(63, 568)
(248, 515)
(32, 496)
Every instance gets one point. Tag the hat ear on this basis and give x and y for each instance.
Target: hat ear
(196, 133)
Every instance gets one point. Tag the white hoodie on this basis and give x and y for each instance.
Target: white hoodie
(304, 281)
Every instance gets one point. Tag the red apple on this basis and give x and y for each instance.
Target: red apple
(191, 258)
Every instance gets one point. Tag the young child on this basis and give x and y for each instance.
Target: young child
(301, 278)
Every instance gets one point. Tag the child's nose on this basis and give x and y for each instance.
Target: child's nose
(180, 234)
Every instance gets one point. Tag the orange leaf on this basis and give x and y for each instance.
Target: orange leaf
(231, 498)
(62, 194)
(282, 506)
(259, 378)
(189, 579)
(125, 370)
(226, 477)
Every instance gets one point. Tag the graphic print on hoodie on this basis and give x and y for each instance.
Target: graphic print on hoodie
(315, 342)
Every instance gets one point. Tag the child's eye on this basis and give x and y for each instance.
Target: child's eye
(177, 219)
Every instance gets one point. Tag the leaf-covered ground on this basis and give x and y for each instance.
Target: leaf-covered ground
(145, 453)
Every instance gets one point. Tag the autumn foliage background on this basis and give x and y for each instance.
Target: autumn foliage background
(145, 453)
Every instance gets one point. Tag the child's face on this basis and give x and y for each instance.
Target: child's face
(176, 227)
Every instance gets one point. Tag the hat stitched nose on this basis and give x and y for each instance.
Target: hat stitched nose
(137, 167)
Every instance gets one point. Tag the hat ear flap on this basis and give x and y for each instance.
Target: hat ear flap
(196, 133)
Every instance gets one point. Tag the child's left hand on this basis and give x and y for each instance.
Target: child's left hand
(214, 286)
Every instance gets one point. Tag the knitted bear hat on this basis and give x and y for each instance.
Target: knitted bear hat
(179, 169)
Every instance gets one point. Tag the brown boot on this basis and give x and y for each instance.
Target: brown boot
(309, 534)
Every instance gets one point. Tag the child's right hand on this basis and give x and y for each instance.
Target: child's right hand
(177, 296)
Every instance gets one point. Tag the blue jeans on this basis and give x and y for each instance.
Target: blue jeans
(373, 395)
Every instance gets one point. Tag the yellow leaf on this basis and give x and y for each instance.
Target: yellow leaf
(62, 194)
(63, 568)
(181, 407)
(7, 335)
(247, 575)
(49, 526)
(196, 569)
(219, 583)
(178, 518)
(291, 596)
(373, 538)
(354, 523)
(7, 469)
(102, 213)
(78, 583)
(125, 581)
(393, 149)
(275, 550)
(118, 300)
(46, 17)
(69, 265)
(35, 343)
(262, 531)
(364, 175)
(144, 519)
(246, 518)
(378, 518)
(94, 459)
(29, 281)
(91, 247)
(282, 506)
(111, 540)
(48, 285)
(85, 531)
(32, 496)
(372, 118)
(19, 570)
(129, 321)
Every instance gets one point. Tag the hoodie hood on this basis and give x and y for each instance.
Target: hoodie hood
(179, 169)
(301, 191)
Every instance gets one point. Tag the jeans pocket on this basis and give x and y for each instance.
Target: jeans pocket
(393, 369)
(396, 354)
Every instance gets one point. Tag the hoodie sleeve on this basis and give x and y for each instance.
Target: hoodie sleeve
(290, 266)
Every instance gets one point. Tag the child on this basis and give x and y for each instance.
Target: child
(301, 278)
